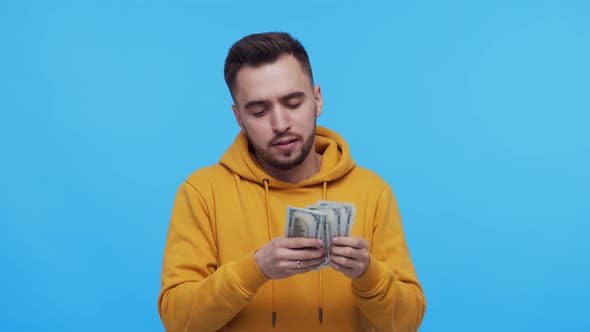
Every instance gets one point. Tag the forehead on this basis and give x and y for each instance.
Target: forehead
(271, 81)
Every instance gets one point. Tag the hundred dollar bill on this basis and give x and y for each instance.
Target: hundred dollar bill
(333, 221)
(305, 223)
(348, 213)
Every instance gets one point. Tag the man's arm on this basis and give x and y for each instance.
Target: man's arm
(384, 281)
(199, 295)
(196, 293)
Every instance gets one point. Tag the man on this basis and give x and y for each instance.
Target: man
(227, 265)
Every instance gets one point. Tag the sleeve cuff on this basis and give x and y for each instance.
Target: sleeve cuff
(248, 275)
(371, 279)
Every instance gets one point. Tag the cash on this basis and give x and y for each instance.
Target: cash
(347, 212)
(325, 220)
(304, 223)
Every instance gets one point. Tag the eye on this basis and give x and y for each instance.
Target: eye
(258, 113)
(293, 103)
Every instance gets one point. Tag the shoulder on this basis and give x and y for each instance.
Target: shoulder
(203, 179)
(207, 172)
(368, 178)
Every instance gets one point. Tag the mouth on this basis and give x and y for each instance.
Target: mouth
(285, 143)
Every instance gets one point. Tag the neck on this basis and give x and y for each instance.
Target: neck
(308, 168)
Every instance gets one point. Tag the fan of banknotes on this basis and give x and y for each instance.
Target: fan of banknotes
(325, 221)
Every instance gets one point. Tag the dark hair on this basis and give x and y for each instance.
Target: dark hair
(261, 49)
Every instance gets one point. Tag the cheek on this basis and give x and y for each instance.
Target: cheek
(258, 131)
(309, 119)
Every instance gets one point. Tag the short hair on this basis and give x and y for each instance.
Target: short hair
(260, 49)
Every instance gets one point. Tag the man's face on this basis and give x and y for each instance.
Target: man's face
(276, 107)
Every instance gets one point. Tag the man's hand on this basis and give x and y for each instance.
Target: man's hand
(350, 255)
(284, 257)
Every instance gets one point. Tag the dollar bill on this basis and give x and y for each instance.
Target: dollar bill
(348, 213)
(333, 221)
(305, 223)
(325, 221)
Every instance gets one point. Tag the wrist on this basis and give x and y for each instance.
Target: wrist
(258, 262)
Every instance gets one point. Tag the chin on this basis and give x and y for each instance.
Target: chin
(287, 163)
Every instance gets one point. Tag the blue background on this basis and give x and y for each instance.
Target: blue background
(476, 112)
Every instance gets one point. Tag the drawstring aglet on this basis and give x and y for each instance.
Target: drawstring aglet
(321, 314)
(274, 319)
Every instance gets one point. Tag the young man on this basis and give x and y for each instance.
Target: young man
(227, 265)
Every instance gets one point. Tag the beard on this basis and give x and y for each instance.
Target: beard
(265, 154)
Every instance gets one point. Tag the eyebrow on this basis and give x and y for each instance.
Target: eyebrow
(255, 103)
(297, 94)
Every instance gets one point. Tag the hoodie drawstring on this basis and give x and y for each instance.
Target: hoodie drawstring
(274, 304)
(320, 288)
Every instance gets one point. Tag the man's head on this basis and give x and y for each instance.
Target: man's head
(275, 102)
(260, 49)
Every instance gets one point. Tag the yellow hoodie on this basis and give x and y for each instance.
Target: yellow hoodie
(224, 213)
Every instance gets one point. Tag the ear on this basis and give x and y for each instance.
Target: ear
(319, 103)
(237, 116)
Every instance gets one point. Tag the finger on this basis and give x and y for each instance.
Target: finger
(349, 252)
(301, 242)
(339, 267)
(302, 254)
(349, 266)
(349, 241)
(306, 265)
(344, 261)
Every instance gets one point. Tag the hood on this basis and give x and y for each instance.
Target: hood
(336, 160)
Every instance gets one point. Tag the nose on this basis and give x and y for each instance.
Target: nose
(280, 120)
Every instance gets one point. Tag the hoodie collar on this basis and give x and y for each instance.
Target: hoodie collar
(336, 160)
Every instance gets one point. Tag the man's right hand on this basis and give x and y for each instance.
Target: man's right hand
(284, 257)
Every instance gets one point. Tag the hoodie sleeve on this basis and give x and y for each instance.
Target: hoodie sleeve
(388, 293)
(196, 293)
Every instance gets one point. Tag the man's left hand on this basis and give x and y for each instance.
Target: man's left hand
(350, 255)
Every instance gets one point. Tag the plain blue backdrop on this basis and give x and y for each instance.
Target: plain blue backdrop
(476, 112)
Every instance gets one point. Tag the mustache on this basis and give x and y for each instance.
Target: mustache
(285, 135)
